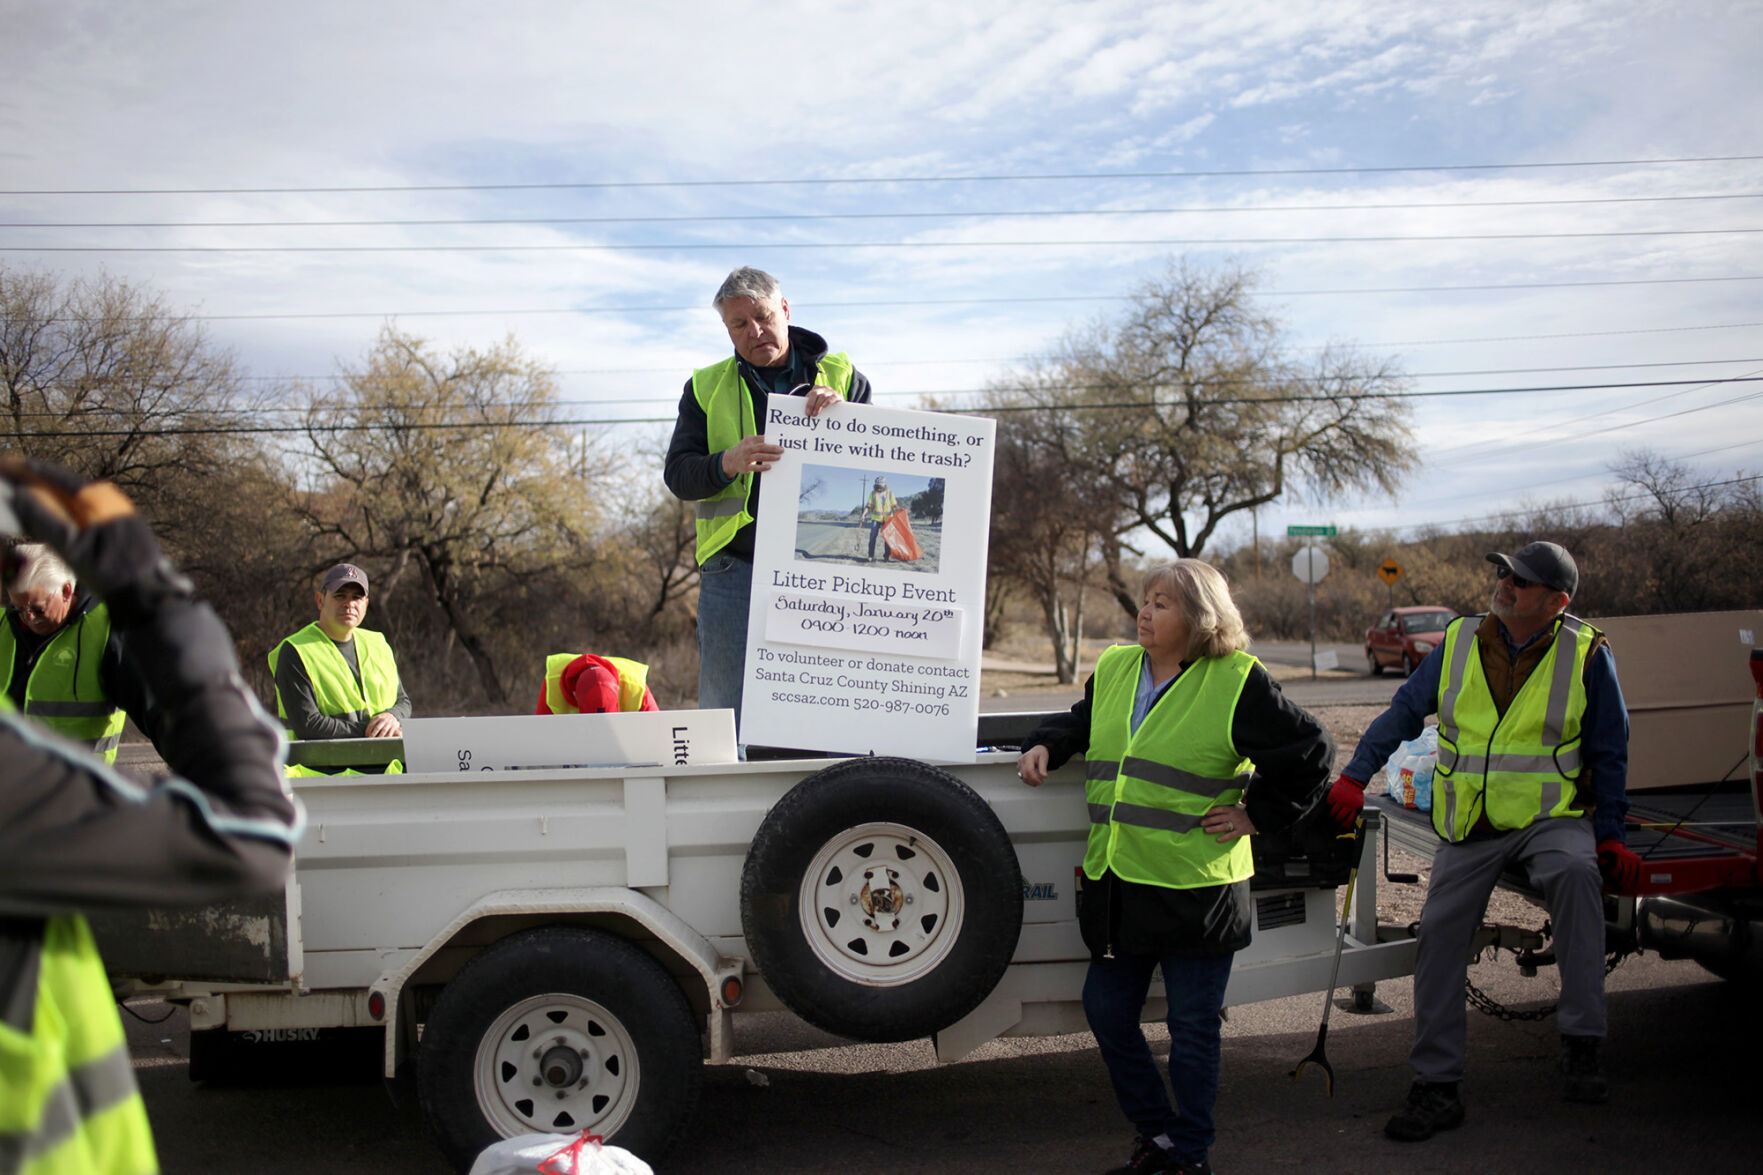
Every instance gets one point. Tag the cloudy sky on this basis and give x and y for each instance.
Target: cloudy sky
(1504, 197)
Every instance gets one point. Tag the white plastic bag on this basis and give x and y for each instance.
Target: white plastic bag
(557, 1154)
(1408, 774)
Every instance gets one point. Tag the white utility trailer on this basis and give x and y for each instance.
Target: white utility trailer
(563, 949)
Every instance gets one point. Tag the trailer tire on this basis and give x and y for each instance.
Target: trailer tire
(881, 899)
(624, 1057)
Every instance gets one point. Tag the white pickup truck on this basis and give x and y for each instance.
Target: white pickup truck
(563, 949)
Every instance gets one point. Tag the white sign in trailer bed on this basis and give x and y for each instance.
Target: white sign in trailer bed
(561, 949)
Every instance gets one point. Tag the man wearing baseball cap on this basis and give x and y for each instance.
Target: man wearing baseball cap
(1532, 775)
(341, 680)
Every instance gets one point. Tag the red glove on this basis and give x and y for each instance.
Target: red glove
(1345, 800)
(1620, 865)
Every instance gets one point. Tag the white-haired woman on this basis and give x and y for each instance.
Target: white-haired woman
(1189, 747)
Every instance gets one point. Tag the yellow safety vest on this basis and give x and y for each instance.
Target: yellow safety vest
(68, 1100)
(333, 684)
(1147, 790)
(633, 679)
(881, 505)
(64, 692)
(1519, 767)
(728, 416)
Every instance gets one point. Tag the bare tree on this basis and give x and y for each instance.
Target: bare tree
(1192, 408)
(103, 377)
(449, 465)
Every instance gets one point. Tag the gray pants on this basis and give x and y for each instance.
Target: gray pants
(1560, 857)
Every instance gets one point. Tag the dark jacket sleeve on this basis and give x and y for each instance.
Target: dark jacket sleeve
(294, 688)
(691, 470)
(1293, 754)
(77, 835)
(1067, 734)
(128, 690)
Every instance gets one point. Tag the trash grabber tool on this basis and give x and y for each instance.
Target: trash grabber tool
(1318, 1056)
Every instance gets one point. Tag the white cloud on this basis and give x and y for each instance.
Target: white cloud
(212, 95)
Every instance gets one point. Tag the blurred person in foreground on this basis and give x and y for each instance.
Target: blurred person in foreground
(587, 683)
(335, 679)
(719, 450)
(60, 660)
(1533, 740)
(75, 835)
(1189, 749)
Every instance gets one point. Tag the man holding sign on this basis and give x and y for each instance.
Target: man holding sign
(718, 452)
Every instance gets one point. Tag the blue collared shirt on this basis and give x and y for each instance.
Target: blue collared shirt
(1603, 731)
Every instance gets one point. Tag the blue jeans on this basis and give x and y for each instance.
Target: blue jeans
(725, 584)
(1114, 996)
(874, 531)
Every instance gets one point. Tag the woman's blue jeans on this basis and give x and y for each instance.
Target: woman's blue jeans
(1114, 996)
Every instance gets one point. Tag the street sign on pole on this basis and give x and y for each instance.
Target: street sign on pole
(1295, 531)
(1310, 564)
(1390, 571)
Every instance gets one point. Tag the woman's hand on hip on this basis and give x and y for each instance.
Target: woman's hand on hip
(1228, 823)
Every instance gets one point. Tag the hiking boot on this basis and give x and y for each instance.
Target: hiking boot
(1431, 1108)
(1585, 1072)
(1149, 1158)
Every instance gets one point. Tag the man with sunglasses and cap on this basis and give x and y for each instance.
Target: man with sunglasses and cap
(719, 450)
(1532, 774)
(335, 679)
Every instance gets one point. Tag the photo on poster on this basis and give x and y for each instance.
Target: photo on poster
(882, 518)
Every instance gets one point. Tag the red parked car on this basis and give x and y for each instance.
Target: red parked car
(1403, 636)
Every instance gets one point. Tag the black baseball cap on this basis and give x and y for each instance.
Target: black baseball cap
(344, 573)
(1546, 563)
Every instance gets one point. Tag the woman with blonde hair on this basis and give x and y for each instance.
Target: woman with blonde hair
(1189, 748)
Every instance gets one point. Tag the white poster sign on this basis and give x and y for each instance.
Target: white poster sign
(868, 595)
(535, 742)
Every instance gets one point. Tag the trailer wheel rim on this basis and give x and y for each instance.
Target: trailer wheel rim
(881, 904)
(556, 1063)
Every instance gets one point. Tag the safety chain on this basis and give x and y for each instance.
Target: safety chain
(1482, 1002)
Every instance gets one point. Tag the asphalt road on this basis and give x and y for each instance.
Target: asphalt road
(1682, 1054)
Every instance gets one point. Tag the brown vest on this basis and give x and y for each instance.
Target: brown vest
(1506, 677)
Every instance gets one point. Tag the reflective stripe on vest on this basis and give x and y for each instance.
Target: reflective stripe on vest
(633, 679)
(333, 683)
(1515, 768)
(64, 691)
(1148, 790)
(68, 1100)
(728, 416)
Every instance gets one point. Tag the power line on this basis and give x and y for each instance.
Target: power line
(797, 246)
(1639, 496)
(605, 185)
(885, 363)
(1212, 401)
(1191, 210)
(872, 304)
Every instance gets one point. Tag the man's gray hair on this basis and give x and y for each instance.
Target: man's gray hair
(35, 568)
(747, 282)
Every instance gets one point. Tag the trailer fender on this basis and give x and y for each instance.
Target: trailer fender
(721, 977)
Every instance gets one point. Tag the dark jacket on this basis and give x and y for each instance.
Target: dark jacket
(1293, 759)
(76, 835)
(694, 473)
